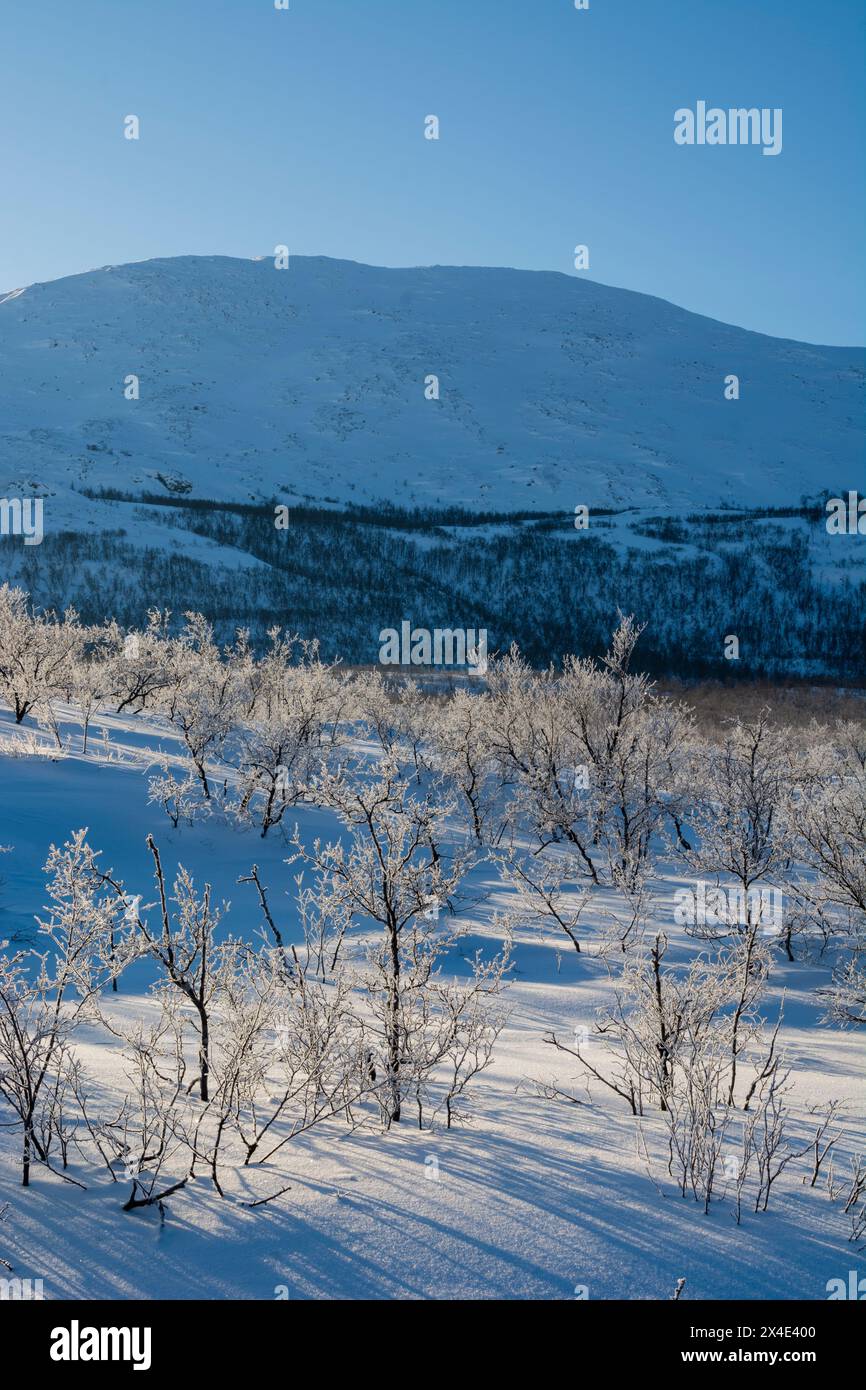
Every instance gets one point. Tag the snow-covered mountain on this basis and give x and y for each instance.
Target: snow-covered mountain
(309, 382)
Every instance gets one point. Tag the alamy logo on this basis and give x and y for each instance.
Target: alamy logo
(441, 647)
(707, 906)
(22, 516)
(846, 516)
(19, 1290)
(131, 908)
(737, 126)
(853, 1289)
(77, 1343)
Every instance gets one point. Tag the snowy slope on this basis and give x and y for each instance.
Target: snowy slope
(533, 1199)
(309, 382)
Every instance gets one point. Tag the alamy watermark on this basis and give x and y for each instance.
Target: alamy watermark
(853, 1288)
(443, 646)
(706, 905)
(22, 1290)
(738, 125)
(846, 516)
(77, 1343)
(22, 516)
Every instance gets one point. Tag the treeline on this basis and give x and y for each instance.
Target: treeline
(342, 577)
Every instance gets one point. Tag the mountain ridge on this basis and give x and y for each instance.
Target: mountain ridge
(309, 383)
(433, 266)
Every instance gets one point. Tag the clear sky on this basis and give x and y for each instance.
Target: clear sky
(305, 127)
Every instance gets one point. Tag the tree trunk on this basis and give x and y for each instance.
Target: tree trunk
(25, 1167)
(393, 1024)
(204, 1056)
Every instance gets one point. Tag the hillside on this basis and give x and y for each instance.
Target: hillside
(309, 383)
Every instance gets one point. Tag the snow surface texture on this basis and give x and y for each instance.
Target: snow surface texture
(533, 1200)
(309, 382)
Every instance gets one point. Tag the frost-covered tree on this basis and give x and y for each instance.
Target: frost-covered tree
(594, 754)
(282, 746)
(663, 1018)
(46, 992)
(739, 816)
(828, 817)
(289, 1053)
(202, 698)
(37, 652)
(543, 896)
(93, 676)
(394, 875)
(181, 942)
(141, 662)
(630, 741)
(463, 752)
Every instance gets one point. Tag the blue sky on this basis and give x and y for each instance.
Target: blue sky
(305, 127)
